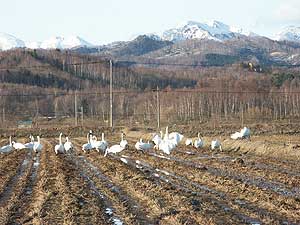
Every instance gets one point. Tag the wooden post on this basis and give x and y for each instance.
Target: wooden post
(111, 93)
(242, 115)
(3, 115)
(75, 108)
(158, 107)
(81, 115)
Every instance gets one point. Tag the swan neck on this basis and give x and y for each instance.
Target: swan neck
(88, 138)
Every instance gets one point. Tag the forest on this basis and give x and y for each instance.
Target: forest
(43, 84)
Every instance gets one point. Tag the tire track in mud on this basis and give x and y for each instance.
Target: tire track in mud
(199, 168)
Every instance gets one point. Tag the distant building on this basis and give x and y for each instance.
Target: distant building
(25, 124)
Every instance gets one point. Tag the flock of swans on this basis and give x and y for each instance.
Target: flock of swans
(36, 146)
(165, 142)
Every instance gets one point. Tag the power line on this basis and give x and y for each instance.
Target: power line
(125, 63)
(116, 92)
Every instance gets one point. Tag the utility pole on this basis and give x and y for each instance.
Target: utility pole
(111, 93)
(37, 107)
(3, 114)
(75, 108)
(81, 115)
(55, 105)
(158, 107)
(242, 115)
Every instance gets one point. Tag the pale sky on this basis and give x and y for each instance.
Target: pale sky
(100, 22)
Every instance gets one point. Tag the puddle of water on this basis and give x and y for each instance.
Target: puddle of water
(117, 221)
(124, 160)
(109, 211)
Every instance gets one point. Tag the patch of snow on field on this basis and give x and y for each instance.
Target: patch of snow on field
(109, 211)
(117, 221)
(124, 160)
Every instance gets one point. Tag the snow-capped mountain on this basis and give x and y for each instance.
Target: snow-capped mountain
(291, 33)
(8, 41)
(214, 30)
(64, 43)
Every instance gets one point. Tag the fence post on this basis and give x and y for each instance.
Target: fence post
(81, 115)
(75, 108)
(111, 92)
(158, 107)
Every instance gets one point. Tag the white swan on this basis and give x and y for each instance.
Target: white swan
(176, 137)
(236, 136)
(99, 145)
(68, 145)
(142, 146)
(114, 149)
(123, 142)
(198, 142)
(188, 142)
(87, 146)
(216, 144)
(37, 146)
(30, 144)
(7, 148)
(166, 144)
(18, 146)
(60, 147)
(157, 139)
(244, 133)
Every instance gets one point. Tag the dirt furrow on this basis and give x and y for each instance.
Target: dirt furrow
(72, 197)
(159, 199)
(235, 189)
(11, 165)
(247, 177)
(132, 206)
(17, 213)
(16, 187)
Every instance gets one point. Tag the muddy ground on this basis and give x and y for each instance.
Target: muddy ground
(250, 182)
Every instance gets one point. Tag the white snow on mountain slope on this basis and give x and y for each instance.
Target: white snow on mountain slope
(64, 43)
(213, 30)
(33, 45)
(8, 41)
(291, 33)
